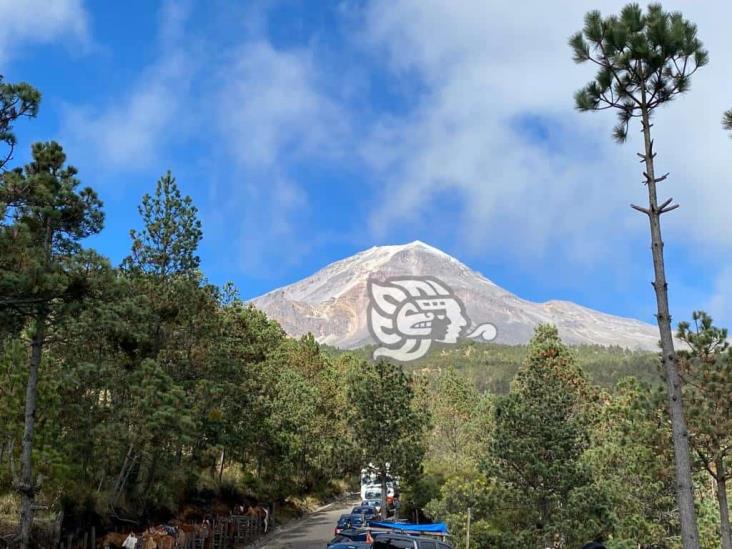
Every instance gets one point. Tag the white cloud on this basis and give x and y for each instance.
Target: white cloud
(484, 67)
(273, 113)
(129, 134)
(268, 221)
(40, 22)
(130, 131)
(270, 104)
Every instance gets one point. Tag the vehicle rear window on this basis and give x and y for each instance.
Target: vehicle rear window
(356, 521)
(427, 545)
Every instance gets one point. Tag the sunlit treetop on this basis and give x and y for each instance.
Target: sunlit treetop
(643, 60)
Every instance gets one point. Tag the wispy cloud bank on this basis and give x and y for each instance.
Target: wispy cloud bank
(41, 22)
(454, 117)
(130, 131)
(270, 105)
(494, 127)
(272, 115)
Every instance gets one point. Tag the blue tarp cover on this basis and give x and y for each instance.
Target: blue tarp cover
(436, 528)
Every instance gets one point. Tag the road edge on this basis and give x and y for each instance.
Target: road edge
(291, 525)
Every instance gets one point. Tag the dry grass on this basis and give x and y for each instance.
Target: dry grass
(43, 524)
(9, 504)
(9, 508)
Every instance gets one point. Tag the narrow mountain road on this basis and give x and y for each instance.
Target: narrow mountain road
(311, 532)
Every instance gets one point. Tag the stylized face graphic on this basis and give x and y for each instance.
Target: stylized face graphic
(448, 318)
(407, 314)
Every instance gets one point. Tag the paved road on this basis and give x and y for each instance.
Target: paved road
(312, 532)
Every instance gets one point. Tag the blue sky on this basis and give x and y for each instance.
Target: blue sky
(308, 131)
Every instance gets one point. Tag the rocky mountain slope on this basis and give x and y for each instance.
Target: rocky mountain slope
(332, 303)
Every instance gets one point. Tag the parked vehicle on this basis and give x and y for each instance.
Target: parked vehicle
(367, 510)
(349, 545)
(402, 541)
(370, 488)
(375, 503)
(344, 521)
(357, 521)
(373, 491)
(371, 481)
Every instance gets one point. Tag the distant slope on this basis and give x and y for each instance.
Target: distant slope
(332, 303)
(491, 367)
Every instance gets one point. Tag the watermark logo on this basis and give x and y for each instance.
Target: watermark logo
(406, 314)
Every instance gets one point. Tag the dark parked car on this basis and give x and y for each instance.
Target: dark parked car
(350, 545)
(367, 510)
(401, 541)
(357, 521)
(344, 521)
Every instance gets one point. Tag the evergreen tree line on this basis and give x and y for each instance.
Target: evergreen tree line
(559, 461)
(492, 366)
(126, 391)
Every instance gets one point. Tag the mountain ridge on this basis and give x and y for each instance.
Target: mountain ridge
(331, 303)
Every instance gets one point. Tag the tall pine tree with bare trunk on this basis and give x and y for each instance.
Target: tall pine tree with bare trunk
(43, 272)
(645, 60)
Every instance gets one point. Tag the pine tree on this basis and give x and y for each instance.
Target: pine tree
(706, 368)
(645, 60)
(631, 457)
(727, 120)
(16, 101)
(452, 402)
(43, 270)
(168, 243)
(388, 424)
(541, 431)
(164, 266)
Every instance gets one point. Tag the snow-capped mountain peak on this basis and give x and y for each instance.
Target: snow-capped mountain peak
(332, 303)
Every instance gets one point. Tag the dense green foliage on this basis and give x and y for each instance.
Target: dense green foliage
(541, 431)
(491, 367)
(152, 383)
(16, 101)
(387, 419)
(45, 275)
(558, 460)
(706, 368)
